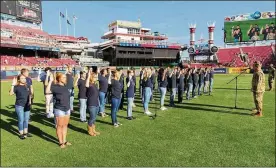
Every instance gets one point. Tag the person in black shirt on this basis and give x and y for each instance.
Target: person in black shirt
(181, 84)
(80, 82)
(201, 80)
(153, 79)
(29, 83)
(265, 31)
(206, 80)
(237, 34)
(134, 79)
(190, 83)
(108, 94)
(195, 84)
(163, 82)
(70, 86)
(211, 78)
(92, 94)
(140, 82)
(122, 81)
(61, 106)
(103, 83)
(130, 93)
(173, 87)
(116, 91)
(272, 27)
(22, 104)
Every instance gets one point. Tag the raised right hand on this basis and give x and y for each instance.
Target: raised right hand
(51, 78)
(14, 81)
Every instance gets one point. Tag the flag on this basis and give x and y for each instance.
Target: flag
(61, 14)
(68, 22)
(74, 17)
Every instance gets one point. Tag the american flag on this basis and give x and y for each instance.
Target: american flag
(61, 14)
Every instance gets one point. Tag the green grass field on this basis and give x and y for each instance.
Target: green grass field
(202, 132)
(245, 25)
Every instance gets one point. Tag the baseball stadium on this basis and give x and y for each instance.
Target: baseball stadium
(136, 98)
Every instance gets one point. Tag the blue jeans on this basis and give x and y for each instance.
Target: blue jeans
(195, 86)
(114, 109)
(71, 91)
(23, 115)
(211, 84)
(93, 110)
(60, 113)
(102, 101)
(172, 96)
(129, 106)
(200, 86)
(147, 96)
(163, 91)
(83, 107)
(189, 89)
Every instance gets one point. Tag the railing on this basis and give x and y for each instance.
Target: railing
(138, 33)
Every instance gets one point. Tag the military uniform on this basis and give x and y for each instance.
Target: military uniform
(258, 89)
(271, 77)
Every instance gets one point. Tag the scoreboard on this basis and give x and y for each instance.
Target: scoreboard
(23, 9)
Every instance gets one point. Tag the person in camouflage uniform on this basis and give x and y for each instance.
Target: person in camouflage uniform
(271, 77)
(258, 88)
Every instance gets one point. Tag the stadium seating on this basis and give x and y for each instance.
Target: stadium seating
(33, 61)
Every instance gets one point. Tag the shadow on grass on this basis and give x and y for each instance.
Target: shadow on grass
(229, 89)
(11, 123)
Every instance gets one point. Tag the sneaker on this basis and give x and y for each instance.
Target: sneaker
(148, 113)
(116, 125)
(133, 105)
(28, 135)
(129, 118)
(21, 136)
(52, 115)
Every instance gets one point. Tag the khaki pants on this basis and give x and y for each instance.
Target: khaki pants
(49, 104)
(206, 86)
(258, 100)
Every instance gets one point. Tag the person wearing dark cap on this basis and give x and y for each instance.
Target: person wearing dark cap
(271, 77)
(258, 88)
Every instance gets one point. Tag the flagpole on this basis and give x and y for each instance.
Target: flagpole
(74, 20)
(59, 23)
(66, 22)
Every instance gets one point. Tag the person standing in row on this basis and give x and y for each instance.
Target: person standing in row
(140, 82)
(122, 81)
(206, 80)
(70, 85)
(181, 85)
(22, 104)
(134, 80)
(172, 86)
(195, 84)
(49, 103)
(92, 102)
(211, 75)
(190, 83)
(29, 84)
(116, 90)
(103, 85)
(146, 83)
(80, 82)
(163, 82)
(258, 88)
(130, 94)
(108, 94)
(271, 77)
(153, 79)
(61, 106)
(200, 81)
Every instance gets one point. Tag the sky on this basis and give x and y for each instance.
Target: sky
(167, 17)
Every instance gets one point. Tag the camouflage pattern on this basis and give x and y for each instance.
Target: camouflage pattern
(258, 88)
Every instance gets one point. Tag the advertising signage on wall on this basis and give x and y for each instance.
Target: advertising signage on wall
(256, 26)
(29, 10)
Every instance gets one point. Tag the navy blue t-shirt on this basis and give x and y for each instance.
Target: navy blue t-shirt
(61, 96)
(201, 78)
(92, 96)
(164, 83)
(22, 94)
(190, 79)
(70, 81)
(116, 89)
(82, 89)
(146, 83)
(211, 74)
(173, 81)
(206, 78)
(122, 82)
(130, 89)
(103, 82)
(195, 78)
(181, 82)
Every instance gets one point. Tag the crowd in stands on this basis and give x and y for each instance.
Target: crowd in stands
(34, 61)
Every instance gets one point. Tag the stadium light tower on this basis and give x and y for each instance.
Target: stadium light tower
(211, 28)
(192, 28)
